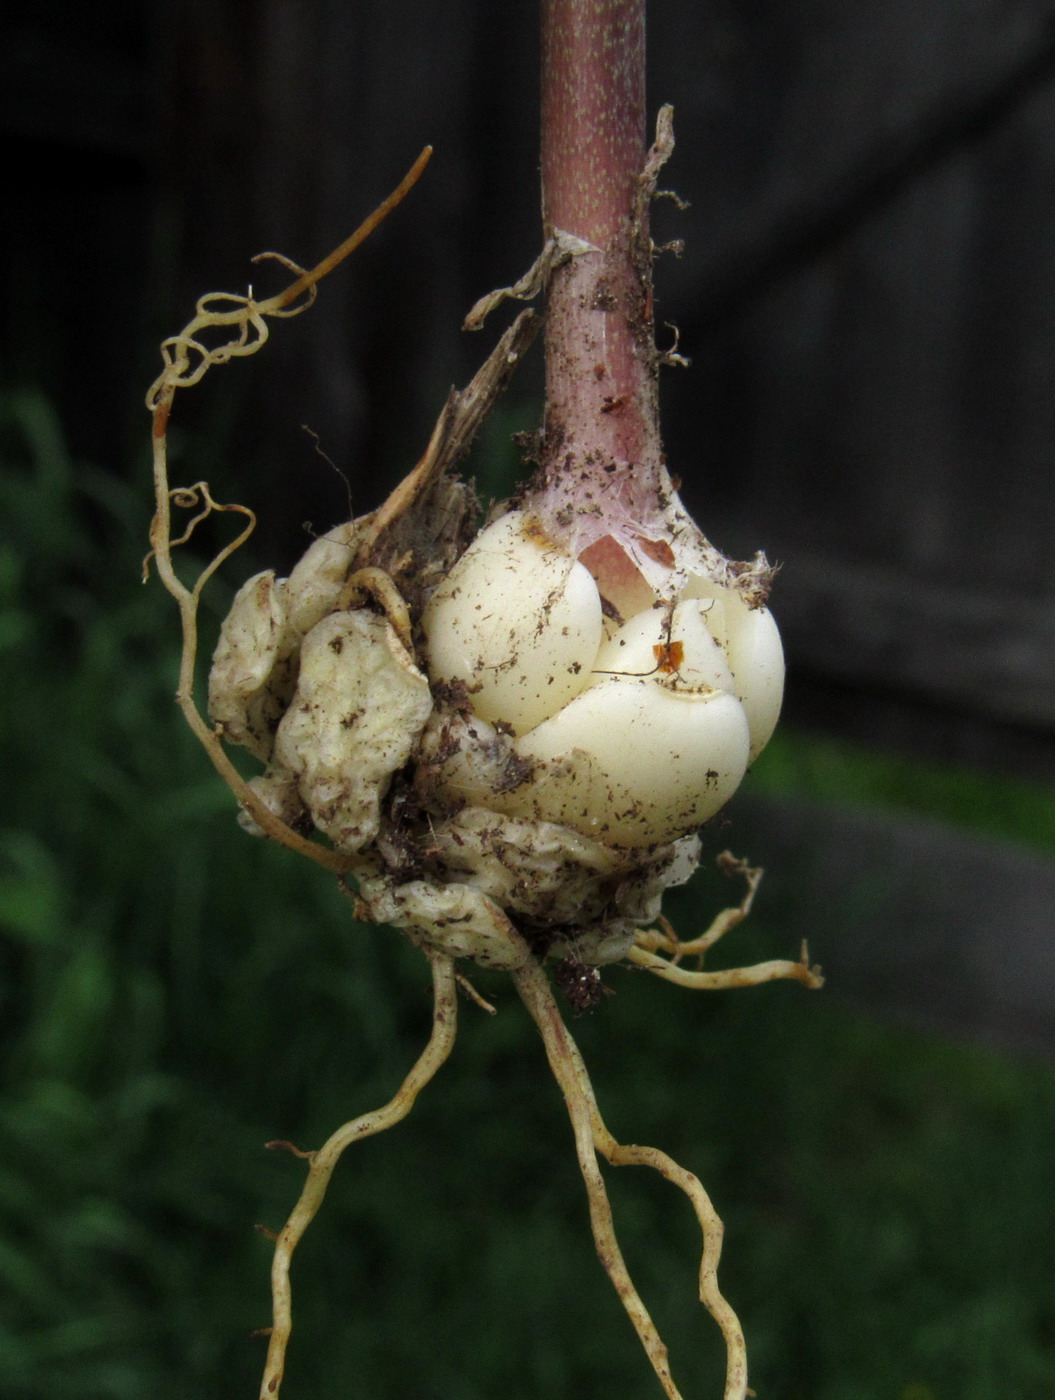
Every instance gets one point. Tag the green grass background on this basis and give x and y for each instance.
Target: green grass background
(174, 994)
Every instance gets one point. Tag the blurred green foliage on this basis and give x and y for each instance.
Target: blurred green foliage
(811, 765)
(174, 994)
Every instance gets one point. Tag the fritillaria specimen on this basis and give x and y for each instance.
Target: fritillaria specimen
(501, 739)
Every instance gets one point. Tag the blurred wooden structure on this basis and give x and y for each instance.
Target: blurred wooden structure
(868, 291)
(912, 920)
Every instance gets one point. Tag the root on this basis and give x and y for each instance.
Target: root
(322, 1163)
(474, 996)
(591, 1137)
(778, 969)
(242, 322)
(660, 950)
(186, 359)
(666, 940)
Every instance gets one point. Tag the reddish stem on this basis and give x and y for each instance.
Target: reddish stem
(601, 444)
(593, 114)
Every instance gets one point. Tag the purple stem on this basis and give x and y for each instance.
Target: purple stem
(601, 458)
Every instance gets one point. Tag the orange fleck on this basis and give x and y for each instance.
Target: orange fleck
(533, 529)
(670, 656)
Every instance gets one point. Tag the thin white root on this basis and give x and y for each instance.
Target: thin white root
(474, 996)
(773, 971)
(665, 940)
(591, 1137)
(660, 950)
(322, 1163)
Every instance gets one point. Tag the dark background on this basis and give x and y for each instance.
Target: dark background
(866, 293)
(868, 299)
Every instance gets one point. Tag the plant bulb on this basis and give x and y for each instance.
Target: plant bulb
(634, 732)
